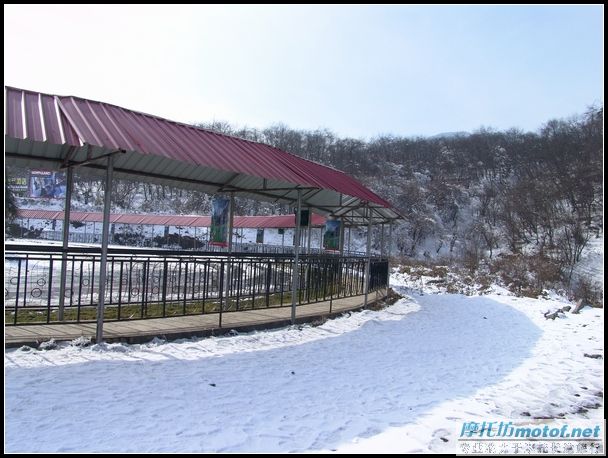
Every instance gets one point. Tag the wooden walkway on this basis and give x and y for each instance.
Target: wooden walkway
(134, 331)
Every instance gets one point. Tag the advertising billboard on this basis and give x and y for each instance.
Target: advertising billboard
(47, 185)
(219, 221)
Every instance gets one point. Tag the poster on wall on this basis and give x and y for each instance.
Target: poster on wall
(219, 221)
(47, 185)
(259, 237)
(331, 236)
(18, 185)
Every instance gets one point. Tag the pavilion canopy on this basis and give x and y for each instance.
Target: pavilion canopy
(50, 131)
(267, 222)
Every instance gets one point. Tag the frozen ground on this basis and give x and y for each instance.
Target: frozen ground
(401, 379)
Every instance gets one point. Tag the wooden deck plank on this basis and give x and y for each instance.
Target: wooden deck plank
(178, 326)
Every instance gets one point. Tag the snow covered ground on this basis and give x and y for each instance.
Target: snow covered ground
(402, 379)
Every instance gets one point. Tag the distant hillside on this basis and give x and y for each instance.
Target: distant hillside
(467, 197)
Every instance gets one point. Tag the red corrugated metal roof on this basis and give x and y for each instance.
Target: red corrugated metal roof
(45, 127)
(110, 126)
(275, 221)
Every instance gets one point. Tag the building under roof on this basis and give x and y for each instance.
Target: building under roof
(246, 222)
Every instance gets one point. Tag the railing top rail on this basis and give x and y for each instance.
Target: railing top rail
(12, 249)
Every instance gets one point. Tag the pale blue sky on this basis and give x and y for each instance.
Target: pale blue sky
(359, 71)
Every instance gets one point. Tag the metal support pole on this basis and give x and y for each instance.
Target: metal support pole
(382, 241)
(104, 249)
(296, 261)
(349, 248)
(390, 251)
(342, 237)
(66, 235)
(308, 235)
(390, 240)
(369, 254)
(231, 222)
(308, 231)
(229, 258)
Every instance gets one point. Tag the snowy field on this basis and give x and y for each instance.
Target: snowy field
(402, 379)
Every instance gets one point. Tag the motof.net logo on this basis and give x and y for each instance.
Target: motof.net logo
(507, 429)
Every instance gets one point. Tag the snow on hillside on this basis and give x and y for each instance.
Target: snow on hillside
(402, 379)
(591, 265)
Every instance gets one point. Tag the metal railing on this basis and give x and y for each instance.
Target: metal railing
(187, 243)
(158, 283)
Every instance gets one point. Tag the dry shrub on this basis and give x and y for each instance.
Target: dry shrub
(592, 294)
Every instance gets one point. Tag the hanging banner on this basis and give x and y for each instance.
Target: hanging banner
(331, 237)
(259, 237)
(304, 217)
(219, 221)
